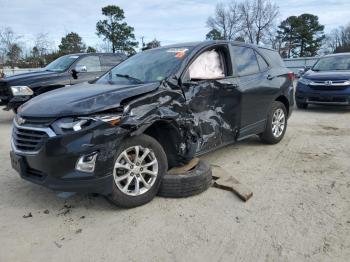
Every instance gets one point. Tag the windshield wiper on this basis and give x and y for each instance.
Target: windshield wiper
(130, 77)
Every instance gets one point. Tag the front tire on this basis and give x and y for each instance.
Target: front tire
(140, 163)
(276, 124)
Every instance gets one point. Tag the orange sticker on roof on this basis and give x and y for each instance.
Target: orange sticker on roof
(179, 52)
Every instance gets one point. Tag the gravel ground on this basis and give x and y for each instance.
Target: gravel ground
(300, 210)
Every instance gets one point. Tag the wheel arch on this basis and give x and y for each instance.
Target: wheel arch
(284, 100)
(168, 135)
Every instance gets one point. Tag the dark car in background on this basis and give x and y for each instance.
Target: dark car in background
(326, 83)
(157, 109)
(64, 71)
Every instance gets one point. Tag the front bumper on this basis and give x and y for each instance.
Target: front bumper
(307, 95)
(53, 165)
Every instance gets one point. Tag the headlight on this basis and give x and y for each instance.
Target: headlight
(304, 81)
(78, 123)
(21, 91)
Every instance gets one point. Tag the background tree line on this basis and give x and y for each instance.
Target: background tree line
(251, 21)
(255, 21)
(117, 35)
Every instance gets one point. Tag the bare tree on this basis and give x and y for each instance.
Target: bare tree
(258, 18)
(9, 42)
(43, 44)
(226, 20)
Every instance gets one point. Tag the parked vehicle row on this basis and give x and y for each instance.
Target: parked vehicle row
(64, 71)
(118, 135)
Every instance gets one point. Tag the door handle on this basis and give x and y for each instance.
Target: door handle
(270, 77)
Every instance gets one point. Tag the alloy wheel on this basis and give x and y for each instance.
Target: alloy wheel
(278, 122)
(135, 170)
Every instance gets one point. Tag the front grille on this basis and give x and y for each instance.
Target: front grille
(27, 140)
(36, 121)
(330, 85)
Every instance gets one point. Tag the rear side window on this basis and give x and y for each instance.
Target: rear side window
(91, 63)
(273, 57)
(262, 63)
(107, 62)
(245, 60)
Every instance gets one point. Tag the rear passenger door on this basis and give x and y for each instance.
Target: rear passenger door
(88, 67)
(251, 69)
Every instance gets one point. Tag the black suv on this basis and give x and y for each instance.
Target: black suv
(155, 110)
(64, 71)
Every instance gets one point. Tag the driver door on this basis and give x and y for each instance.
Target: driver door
(211, 94)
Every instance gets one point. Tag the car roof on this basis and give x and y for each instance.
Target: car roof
(107, 54)
(338, 54)
(201, 44)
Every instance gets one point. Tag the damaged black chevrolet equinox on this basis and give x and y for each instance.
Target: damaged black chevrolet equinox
(158, 109)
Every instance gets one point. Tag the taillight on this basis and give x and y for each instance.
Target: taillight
(291, 76)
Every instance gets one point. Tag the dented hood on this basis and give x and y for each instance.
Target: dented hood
(82, 99)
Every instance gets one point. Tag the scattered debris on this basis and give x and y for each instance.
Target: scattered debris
(57, 244)
(333, 184)
(78, 231)
(65, 210)
(46, 211)
(29, 215)
(82, 217)
(237, 220)
(226, 181)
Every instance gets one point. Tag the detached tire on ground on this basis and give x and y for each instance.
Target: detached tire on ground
(187, 184)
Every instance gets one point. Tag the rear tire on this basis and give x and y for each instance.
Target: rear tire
(140, 163)
(301, 105)
(276, 125)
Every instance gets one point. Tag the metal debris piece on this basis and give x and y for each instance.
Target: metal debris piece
(183, 169)
(224, 180)
(29, 215)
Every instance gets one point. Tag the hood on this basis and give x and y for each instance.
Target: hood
(82, 99)
(30, 77)
(327, 75)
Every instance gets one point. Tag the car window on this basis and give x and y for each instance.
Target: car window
(148, 66)
(108, 62)
(61, 64)
(245, 60)
(262, 62)
(208, 65)
(332, 63)
(91, 63)
(273, 57)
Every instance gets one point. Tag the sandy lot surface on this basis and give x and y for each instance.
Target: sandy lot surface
(300, 210)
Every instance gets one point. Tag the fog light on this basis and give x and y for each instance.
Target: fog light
(87, 163)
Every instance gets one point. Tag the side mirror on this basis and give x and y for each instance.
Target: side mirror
(303, 70)
(80, 69)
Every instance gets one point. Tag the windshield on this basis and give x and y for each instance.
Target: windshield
(332, 63)
(61, 64)
(148, 66)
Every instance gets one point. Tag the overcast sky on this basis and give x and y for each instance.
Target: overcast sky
(170, 21)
